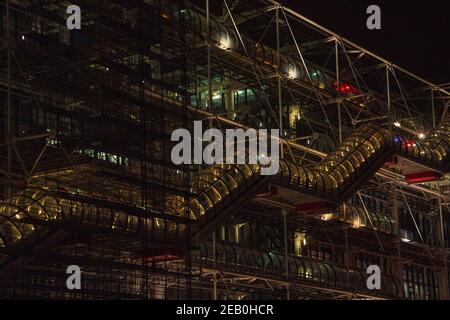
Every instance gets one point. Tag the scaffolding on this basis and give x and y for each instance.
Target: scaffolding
(87, 177)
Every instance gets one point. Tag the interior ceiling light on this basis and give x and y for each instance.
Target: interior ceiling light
(292, 74)
(397, 124)
(356, 224)
(225, 43)
(326, 216)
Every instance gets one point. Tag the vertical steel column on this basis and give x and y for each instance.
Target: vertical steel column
(394, 213)
(208, 46)
(280, 103)
(445, 288)
(433, 108)
(214, 266)
(339, 88)
(388, 86)
(400, 270)
(143, 162)
(286, 251)
(186, 175)
(8, 99)
(347, 250)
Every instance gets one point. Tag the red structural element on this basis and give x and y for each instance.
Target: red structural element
(267, 192)
(345, 88)
(410, 143)
(420, 177)
(315, 207)
(163, 258)
(162, 254)
(391, 162)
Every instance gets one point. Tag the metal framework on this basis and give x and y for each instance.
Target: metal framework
(86, 176)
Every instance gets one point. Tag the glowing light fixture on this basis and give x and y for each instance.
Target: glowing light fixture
(422, 136)
(345, 88)
(357, 223)
(225, 43)
(316, 78)
(397, 124)
(292, 73)
(326, 216)
(294, 116)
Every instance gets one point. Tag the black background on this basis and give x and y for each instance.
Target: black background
(283, 310)
(414, 34)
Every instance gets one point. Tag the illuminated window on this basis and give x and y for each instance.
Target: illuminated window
(299, 242)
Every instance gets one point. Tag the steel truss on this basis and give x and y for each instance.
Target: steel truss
(86, 176)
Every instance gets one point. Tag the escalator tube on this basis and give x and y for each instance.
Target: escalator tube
(220, 184)
(26, 215)
(335, 173)
(357, 217)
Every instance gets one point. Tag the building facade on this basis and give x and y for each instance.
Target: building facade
(87, 177)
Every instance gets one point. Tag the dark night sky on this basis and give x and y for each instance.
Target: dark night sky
(414, 35)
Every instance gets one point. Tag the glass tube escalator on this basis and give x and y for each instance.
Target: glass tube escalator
(359, 218)
(220, 185)
(352, 163)
(334, 179)
(30, 214)
(433, 152)
(356, 154)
